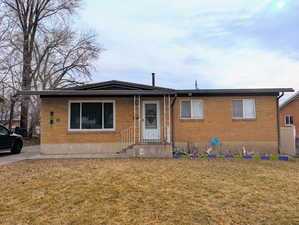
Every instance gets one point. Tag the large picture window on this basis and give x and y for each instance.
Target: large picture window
(244, 109)
(91, 116)
(192, 109)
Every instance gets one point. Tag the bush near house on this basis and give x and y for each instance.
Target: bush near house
(199, 191)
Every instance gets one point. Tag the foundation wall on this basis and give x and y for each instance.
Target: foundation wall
(80, 148)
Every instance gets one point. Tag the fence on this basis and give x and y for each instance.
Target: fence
(288, 140)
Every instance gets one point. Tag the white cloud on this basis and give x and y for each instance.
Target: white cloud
(176, 39)
(252, 68)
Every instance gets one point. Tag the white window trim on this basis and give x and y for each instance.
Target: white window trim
(285, 120)
(243, 118)
(90, 101)
(192, 118)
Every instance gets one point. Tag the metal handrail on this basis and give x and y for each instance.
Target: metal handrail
(127, 138)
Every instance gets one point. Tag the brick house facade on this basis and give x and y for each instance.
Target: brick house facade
(289, 113)
(109, 117)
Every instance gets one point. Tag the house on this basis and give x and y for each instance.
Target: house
(289, 125)
(148, 120)
(289, 113)
(15, 123)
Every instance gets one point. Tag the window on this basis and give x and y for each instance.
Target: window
(244, 109)
(75, 115)
(192, 109)
(3, 131)
(289, 120)
(151, 120)
(91, 116)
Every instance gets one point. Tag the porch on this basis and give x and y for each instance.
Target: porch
(150, 132)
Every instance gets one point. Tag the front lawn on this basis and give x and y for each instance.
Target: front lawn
(129, 192)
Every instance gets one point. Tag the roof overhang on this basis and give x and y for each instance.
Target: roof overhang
(120, 93)
(235, 92)
(63, 93)
(289, 100)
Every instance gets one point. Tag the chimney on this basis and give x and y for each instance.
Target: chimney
(153, 79)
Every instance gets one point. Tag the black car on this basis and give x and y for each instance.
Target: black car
(10, 141)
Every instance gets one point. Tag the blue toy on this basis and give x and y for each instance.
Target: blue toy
(214, 141)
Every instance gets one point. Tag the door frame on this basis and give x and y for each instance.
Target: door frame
(157, 102)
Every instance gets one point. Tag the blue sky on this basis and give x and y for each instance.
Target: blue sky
(220, 43)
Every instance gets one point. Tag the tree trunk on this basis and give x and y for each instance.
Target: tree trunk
(26, 83)
(12, 109)
(24, 113)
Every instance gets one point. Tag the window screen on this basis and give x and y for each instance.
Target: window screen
(249, 108)
(75, 116)
(197, 109)
(92, 116)
(244, 108)
(108, 115)
(192, 109)
(186, 109)
(237, 109)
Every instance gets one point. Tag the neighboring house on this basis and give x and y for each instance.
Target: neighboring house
(112, 116)
(289, 113)
(15, 123)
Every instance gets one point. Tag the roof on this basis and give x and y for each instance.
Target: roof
(291, 99)
(120, 88)
(108, 85)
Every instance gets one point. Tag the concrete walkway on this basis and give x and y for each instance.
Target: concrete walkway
(33, 152)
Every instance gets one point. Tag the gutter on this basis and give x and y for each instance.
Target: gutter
(172, 120)
(278, 119)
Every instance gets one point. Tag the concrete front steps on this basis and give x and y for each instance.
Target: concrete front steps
(149, 151)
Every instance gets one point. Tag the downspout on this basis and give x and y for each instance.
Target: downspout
(173, 120)
(278, 119)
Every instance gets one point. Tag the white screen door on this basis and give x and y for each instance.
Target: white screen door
(151, 121)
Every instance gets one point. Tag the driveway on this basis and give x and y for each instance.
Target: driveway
(30, 152)
(33, 152)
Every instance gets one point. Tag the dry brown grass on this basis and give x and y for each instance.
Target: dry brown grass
(148, 192)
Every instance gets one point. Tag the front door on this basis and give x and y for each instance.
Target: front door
(151, 121)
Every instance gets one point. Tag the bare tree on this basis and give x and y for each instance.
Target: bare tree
(64, 58)
(33, 18)
(40, 50)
